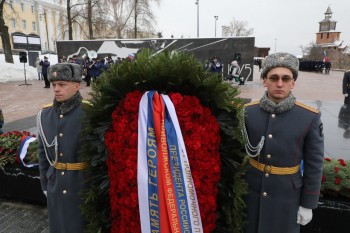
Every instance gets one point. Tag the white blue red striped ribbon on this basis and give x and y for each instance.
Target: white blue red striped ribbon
(185, 208)
(192, 200)
(23, 149)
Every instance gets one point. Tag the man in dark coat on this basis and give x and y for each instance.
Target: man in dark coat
(346, 87)
(45, 65)
(344, 120)
(61, 173)
(280, 133)
(1, 121)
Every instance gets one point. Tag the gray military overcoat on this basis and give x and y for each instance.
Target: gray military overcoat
(291, 136)
(63, 187)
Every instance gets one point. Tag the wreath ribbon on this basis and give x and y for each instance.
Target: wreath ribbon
(23, 149)
(164, 174)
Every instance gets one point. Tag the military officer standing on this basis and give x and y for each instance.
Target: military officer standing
(280, 132)
(61, 173)
(346, 87)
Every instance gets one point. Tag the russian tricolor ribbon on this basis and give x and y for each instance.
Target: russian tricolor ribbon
(167, 196)
(23, 149)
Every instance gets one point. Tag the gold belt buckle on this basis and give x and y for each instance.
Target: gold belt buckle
(267, 169)
(64, 166)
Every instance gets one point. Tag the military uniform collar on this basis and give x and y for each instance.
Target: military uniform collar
(271, 107)
(69, 105)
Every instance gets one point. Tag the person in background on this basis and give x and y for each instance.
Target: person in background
(234, 69)
(86, 72)
(96, 68)
(280, 133)
(44, 66)
(76, 59)
(63, 59)
(1, 121)
(346, 87)
(260, 64)
(38, 68)
(109, 60)
(61, 173)
(344, 120)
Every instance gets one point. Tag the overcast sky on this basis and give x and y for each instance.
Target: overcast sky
(284, 24)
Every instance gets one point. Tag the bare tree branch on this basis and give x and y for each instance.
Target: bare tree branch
(237, 28)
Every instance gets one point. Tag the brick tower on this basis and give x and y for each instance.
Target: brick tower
(327, 33)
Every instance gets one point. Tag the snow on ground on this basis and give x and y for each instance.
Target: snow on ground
(15, 72)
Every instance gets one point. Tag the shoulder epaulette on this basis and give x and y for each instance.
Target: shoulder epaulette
(252, 103)
(307, 107)
(86, 102)
(47, 105)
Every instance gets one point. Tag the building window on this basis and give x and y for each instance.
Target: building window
(22, 6)
(13, 22)
(327, 35)
(24, 24)
(32, 8)
(321, 35)
(34, 26)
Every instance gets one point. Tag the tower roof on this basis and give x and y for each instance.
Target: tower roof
(329, 11)
(328, 16)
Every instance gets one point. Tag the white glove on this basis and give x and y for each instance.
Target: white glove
(346, 95)
(45, 192)
(304, 216)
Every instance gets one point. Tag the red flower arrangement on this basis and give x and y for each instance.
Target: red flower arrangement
(9, 147)
(336, 178)
(202, 139)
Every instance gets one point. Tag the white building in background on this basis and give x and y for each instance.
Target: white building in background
(40, 22)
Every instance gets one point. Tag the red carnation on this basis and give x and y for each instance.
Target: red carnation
(342, 162)
(336, 169)
(327, 159)
(176, 98)
(323, 179)
(337, 180)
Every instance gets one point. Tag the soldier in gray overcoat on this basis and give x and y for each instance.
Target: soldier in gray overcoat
(61, 173)
(280, 133)
(346, 87)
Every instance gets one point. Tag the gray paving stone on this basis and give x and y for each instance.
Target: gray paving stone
(16, 217)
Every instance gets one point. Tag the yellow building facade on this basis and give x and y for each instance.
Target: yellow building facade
(36, 25)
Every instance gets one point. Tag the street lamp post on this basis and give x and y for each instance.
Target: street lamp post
(275, 44)
(197, 3)
(216, 19)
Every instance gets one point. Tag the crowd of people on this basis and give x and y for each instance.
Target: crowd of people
(92, 68)
(321, 66)
(216, 65)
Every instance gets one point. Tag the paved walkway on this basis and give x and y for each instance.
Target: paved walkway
(21, 103)
(22, 218)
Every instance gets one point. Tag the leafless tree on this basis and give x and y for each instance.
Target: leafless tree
(312, 51)
(111, 18)
(5, 36)
(237, 28)
(143, 16)
(72, 18)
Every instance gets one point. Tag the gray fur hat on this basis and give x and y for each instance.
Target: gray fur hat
(65, 72)
(280, 60)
